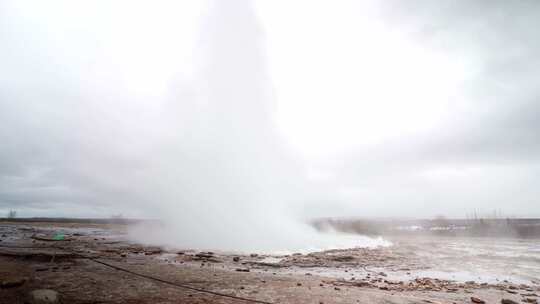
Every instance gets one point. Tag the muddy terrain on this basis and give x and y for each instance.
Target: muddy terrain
(96, 263)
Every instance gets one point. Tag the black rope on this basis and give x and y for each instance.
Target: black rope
(147, 276)
(177, 284)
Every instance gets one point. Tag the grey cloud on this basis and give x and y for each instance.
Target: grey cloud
(488, 149)
(64, 148)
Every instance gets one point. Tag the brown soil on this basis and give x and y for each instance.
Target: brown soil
(90, 267)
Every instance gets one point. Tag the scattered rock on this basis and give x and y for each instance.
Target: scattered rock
(362, 284)
(236, 259)
(530, 300)
(253, 255)
(298, 284)
(43, 296)
(204, 255)
(342, 258)
(13, 282)
(477, 300)
(112, 251)
(153, 251)
(242, 269)
(508, 301)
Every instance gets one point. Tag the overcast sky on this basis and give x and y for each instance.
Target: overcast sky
(319, 108)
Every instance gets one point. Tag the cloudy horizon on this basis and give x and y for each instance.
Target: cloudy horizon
(204, 112)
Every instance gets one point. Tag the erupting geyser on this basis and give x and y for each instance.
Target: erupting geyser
(230, 182)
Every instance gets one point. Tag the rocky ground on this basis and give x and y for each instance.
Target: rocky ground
(85, 263)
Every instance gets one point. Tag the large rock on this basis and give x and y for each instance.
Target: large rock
(477, 300)
(43, 296)
(12, 282)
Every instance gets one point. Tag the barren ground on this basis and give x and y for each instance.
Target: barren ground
(81, 269)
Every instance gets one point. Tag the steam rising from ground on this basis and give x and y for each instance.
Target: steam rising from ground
(229, 181)
(166, 111)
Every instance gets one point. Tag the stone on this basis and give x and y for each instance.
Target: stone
(477, 300)
(43, 296)
(204, 255)
(12, 282)
(508, 301)
(242, 269)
